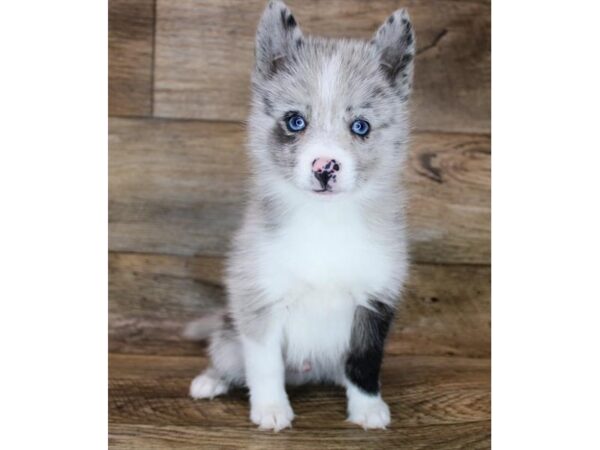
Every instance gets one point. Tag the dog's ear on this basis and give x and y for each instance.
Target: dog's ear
(277, 37)
(395, 43)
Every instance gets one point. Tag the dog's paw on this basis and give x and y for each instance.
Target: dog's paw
(272, 416)
(207, 385)
(369, 412)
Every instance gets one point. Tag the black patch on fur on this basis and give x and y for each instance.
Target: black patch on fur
(291, 22)
(369, 330)
(407, 25)
(366, 105)
(288, 21)
(391, 19)
(409, 37)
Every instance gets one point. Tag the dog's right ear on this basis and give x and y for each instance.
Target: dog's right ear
(395, 42)
(277, 37)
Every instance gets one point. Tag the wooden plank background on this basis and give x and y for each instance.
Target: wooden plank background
(130, 57)
(178, 94)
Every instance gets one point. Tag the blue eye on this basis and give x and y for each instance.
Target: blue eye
(360, 127)
(296, 123)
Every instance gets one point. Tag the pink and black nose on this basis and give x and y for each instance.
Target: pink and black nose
(325, 171)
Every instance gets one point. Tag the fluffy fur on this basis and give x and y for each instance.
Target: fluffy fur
(314, 277)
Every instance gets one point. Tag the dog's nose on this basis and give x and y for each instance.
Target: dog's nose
(325, 170)
(325, 165)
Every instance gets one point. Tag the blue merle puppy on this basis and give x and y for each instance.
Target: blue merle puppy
(318, 265)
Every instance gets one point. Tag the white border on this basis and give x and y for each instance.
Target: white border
(53, 188)
(545, 224)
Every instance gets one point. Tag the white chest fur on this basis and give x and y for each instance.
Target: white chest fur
(319, 265)
(324, 246)
(316, 330)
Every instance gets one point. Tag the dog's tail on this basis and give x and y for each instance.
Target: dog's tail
(201, 328)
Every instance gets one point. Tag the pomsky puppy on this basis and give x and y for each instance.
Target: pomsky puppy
(317, 268)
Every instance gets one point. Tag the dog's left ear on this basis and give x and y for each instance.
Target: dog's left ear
(395, 43)
(277, 37)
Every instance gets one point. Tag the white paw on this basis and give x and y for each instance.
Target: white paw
(207, 385)
(273, 416)
(369, 412)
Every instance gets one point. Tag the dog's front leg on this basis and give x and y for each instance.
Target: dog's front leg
(265, 376)
(369, 329)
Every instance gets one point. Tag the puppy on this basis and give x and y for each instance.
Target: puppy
(316, 269)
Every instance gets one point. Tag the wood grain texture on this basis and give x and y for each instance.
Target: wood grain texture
(445, 309)
(177, 187)
(471, 436)
(130, 52)
(449, 187)
(204, 55)
(436, 402)
(152, 297)
(174, 187)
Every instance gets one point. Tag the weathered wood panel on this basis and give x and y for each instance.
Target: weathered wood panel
(204, 54)
(446, 309)
(174, 187)
(435, 402)
(449, 186)
(177, 187)
(130, 51)
(152, 297)
(468, 435)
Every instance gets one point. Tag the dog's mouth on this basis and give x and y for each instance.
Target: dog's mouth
(324, 191)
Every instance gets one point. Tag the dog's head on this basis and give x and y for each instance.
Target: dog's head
(330, 116)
